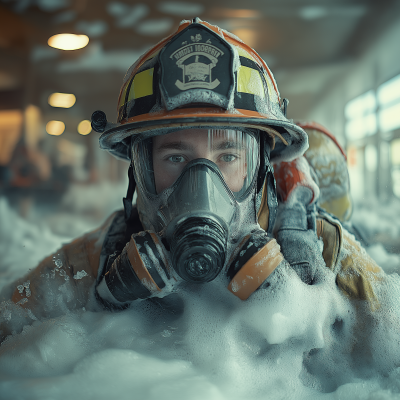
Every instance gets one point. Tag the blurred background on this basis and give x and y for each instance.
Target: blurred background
(338, 63)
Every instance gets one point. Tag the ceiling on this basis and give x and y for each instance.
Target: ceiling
(306, 43)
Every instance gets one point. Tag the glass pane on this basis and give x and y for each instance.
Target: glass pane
(361, 105)
(370, 124)
(389, 118)
(371, 158)
(355, 129)
(395, 152)
(389, 91)
(396, 182)
(360, 127)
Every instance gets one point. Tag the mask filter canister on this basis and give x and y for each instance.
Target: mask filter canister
(198, 249)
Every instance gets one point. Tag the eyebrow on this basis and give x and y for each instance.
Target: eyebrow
(229, 144)
(174, 146)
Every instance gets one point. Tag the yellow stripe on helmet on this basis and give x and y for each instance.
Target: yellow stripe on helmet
(249, 81)
(244, 53)
(142, 85)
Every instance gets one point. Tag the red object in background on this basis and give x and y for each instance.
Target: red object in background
(352, 158)
(288, 177)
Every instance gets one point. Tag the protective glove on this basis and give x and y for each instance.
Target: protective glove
(295, 228)
(140, 271)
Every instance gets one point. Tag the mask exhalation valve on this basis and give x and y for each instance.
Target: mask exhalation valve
(198, 249)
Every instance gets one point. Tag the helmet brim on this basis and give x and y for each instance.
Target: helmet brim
(290, 140)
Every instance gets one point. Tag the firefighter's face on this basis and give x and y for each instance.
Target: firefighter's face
(173, 151)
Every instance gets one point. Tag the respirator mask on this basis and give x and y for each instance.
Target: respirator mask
(197, 201)
(193, 183)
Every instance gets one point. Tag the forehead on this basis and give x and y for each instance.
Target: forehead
(199, 136)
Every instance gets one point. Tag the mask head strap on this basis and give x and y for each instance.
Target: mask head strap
(129, 195)
(266, 180)
(265, 165)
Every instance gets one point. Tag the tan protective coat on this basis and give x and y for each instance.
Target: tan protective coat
(355, 269)
(79, 257)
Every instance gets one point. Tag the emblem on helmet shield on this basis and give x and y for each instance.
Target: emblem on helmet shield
(196, 67)
(197, 61)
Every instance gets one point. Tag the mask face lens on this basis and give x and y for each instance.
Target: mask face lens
(163, 158)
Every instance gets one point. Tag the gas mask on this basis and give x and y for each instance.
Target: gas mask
(198, 193)
(198, 197)
(198, 209)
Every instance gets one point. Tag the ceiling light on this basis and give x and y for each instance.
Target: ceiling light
(84, 127)
(63, 100)
(55, 128)
(238, 13)
(68, 41)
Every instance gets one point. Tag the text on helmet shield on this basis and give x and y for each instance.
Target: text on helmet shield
(196, 67)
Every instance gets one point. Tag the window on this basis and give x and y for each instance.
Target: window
(364, 116)
(371, 158)
(389, 104)
(360, 116)
(395, 159)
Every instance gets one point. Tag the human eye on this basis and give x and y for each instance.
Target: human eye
(176, 159)
(228, 158)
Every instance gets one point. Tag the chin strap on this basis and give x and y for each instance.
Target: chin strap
(129, 195)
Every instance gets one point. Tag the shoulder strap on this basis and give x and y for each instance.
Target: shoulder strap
(268, 208)
(330, 230)
(356, 272)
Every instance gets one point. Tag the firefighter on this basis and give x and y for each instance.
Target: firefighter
(201, 120)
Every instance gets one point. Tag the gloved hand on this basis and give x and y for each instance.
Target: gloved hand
(140, 271)
(295, 228)
(297, 190)
(295, 177)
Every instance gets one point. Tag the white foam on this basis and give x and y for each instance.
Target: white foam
(288, 341)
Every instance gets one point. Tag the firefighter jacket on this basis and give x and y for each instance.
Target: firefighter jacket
(74, 268)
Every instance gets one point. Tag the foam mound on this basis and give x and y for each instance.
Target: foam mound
(290, 341)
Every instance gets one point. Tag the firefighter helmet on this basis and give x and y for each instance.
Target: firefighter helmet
(200, 76)
(328, 159)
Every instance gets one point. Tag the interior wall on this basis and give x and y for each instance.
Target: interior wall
(378, 64)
